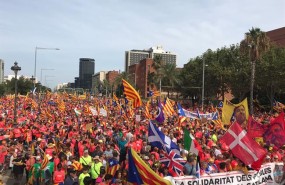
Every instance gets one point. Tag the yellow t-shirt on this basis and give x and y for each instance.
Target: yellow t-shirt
(81, 178)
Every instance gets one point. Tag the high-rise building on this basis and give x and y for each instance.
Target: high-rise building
(86, 70)
(1, 71)
(135, 56)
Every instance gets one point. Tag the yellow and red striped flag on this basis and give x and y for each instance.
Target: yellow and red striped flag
(147, 114)
(168, 107)
(132, 94)
(44, 162)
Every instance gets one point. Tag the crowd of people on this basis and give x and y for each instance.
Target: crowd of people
(52, 144)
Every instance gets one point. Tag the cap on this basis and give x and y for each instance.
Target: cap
(69, 163)
(38, 158)
(85, 151)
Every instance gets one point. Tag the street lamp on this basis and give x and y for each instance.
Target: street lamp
(42, 73)
(35, 70)
(15, 68)
(47, 76)
(203, 84)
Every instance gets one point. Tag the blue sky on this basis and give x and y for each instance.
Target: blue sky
(104, 30)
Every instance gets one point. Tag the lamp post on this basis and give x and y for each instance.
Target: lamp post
(47, 76)
(203, 83)
(36, 49)
(42, 73)
(15, 68)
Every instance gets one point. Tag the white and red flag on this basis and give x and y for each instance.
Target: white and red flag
(242, 145)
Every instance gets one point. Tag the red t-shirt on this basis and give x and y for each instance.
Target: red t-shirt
(59, 176)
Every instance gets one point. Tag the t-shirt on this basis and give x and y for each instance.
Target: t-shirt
(95, 170)
(58, 176)
(81, 178)
(36, 170)
(85, 160)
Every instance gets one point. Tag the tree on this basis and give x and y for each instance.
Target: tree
(256, 43)
(270, 73)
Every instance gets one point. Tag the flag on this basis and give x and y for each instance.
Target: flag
(242, 145)
(198, 173)
(112, 167)
(215, 116)
(254, 128)
(153, 93)
(140, 173)
(220, 105)
(219, 124)
(159, 116)
(174, 162)
(275, 133)
(34, 90)
(198, 114)
(168, 107)
(93, 111)
(132, 94)
(77, 111)
(44, 162)
(228, 110)
(278, 105)
(147, 114)
(189, 144)
(181, 114)
(157, 139)
(180, 110)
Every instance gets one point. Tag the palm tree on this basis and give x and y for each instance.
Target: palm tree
(255, 43)
(158, 64)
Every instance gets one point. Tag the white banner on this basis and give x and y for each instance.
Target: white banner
(269, 174)
(194, 115)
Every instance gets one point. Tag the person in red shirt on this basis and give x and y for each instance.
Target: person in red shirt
(59, 175)
(49, 149)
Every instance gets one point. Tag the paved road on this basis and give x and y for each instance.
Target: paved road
(9, 180)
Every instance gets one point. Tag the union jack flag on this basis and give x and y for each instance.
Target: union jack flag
(174, 162)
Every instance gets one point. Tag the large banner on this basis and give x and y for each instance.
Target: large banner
(270, 173)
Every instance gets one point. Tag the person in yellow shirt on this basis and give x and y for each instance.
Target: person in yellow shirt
(95, 168)
(83, 175)
(86, 159)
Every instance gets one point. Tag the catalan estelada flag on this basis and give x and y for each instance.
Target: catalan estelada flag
(44, 162)
(132, 94)
(112, 167)
(141, 173)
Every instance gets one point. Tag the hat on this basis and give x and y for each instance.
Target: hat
(85, 151)
(267, 157)
(39, 139)
(100, 141)
(69, 163)
(38, 158)
(96, 157)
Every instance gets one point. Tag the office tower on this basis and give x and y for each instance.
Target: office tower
(135, 56)
(86, 70)
(1, 71)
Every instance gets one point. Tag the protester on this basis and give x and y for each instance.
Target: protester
(84, 147)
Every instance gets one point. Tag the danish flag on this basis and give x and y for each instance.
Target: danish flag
(242, 145)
